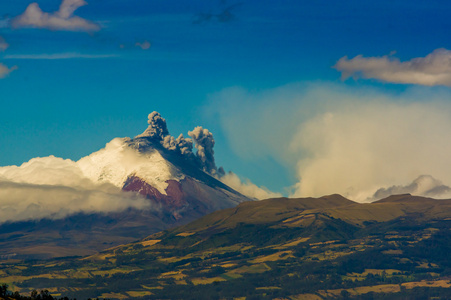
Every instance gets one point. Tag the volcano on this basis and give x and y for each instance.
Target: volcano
(177, 184)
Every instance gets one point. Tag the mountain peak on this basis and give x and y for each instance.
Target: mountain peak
(398, 198)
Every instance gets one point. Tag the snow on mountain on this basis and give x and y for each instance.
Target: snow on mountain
(118, 161)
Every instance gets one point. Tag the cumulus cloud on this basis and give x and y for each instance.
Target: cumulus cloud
(204, 143)
(145, 45)
(424, 185)
(247, 188)
(52, 187)
(434, 69)
(63, 19)
(4, 70)
(338, 140)
(3, 44)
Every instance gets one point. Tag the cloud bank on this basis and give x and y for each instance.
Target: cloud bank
(63, 19)
(337, 140)
(51, 187)
(434, 69)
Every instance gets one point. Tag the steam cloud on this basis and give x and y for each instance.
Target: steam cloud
(434, 69)
(63, 19)
(337, 140)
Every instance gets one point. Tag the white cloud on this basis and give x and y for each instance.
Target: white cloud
(3, 44)
(424, 185)
(52, 187)
(54, 56)
(337, 140)
(247, 188)
(144, 45)
(434, 69)
(63, 19)
(4, 70)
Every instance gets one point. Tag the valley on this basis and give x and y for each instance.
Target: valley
(323, 248)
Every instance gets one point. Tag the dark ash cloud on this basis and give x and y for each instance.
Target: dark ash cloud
(157, 129)
(204, 143)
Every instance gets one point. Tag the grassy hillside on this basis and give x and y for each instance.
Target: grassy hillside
(324, 248)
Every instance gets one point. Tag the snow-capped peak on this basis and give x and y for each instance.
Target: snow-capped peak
(118, 161)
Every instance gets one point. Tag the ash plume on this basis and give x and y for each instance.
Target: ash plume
(201, 138)
(184, 145)
(204, 143)
(157, 129)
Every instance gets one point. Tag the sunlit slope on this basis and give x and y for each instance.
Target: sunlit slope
(286, 211)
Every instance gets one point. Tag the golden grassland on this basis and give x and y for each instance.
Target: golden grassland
(193, 255)
(387, 288)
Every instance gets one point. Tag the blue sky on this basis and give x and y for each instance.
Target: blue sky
(74, 90)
